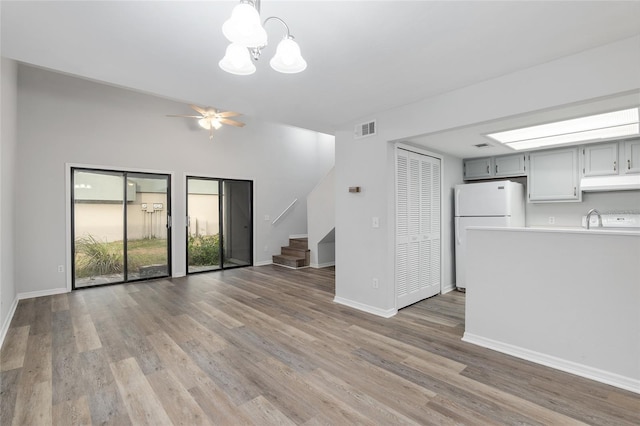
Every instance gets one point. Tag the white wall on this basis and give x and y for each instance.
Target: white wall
(363, 252)
(321, 221)
(570, 214)
(63, 120)
(8, 126)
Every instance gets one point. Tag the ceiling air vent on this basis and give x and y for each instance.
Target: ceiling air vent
(483, 145)
(366, 129)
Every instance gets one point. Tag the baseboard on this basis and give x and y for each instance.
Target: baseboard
(40, 293)
(7, 321)
(263, 263)
(385, 313)
(581, 370)
(445, 290)
(289, 267)
(322, 265)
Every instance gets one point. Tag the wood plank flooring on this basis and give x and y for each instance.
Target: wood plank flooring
(267, 346)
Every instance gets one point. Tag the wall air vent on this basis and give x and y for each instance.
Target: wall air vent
(366, 129)
(483, 145)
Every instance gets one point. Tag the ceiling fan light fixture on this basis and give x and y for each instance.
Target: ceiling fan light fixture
(288, 58)
(237, 60)
(215, 123)
(244, 27)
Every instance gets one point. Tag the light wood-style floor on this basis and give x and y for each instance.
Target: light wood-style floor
(267, 345)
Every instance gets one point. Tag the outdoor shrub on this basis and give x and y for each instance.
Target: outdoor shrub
(204, 250)
(95, 257)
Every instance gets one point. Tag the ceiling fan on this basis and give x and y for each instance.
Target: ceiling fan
(211, 118)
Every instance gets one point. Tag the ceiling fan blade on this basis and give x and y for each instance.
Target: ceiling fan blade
(182, 115)
(210, 133)
(231, 122)
(227, 114)
(200, 110)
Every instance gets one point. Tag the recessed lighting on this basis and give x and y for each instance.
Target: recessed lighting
(590, 128)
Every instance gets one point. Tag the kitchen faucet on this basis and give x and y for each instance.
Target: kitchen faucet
(589, 218)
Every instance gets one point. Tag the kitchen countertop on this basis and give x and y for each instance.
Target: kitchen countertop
(635, 232)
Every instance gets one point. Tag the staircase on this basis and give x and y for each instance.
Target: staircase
(295, 255)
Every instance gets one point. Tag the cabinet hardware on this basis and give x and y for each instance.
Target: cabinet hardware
(628, 164)
(496, 169)
(574, 191)
(615, 168)
(488, 169)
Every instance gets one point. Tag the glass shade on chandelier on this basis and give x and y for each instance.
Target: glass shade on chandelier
(243, 28)
(237, 60)
(248, 38)
(288, 59)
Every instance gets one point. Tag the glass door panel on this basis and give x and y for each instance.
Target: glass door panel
(98, 229)
(120, 229)
(237, 222)
(147, 231)
(203, 224)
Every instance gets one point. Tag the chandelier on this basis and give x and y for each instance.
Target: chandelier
(248, 37)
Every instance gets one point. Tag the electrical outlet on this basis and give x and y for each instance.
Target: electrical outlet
(60, 268)
(374, 283)
(266, 217)
(552, 220)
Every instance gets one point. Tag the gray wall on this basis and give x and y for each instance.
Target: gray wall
(64, 120)
(8, 124)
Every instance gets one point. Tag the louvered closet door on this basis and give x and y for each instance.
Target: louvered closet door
(417, 227)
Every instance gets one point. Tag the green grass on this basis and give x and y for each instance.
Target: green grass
(95, 257)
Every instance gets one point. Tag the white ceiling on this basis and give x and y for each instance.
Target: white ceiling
(363, 57)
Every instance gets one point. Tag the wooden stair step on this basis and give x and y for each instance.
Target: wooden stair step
(291, 261)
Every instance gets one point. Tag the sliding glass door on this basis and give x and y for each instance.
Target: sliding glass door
(120, 226)
(219, 224)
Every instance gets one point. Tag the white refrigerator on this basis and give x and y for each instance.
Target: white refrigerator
(495, 203)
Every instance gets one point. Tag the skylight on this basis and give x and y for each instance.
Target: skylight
(590, 128)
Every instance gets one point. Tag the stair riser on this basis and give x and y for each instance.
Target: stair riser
(297, 263)
(291, 251)
(299, 243)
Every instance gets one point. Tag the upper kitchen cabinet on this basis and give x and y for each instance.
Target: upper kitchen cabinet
(553, 176)
(494, 167)
(600, 159)
(477, 168)
(510, 165)
(631, 162)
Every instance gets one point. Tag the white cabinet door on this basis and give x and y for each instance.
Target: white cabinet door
(632, 156)
(477, 168)
(417, 227)
(553, 176)
(600, 160)
(510, 165)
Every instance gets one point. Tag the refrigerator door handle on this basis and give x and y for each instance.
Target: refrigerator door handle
(457, 202)
(457, 225)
